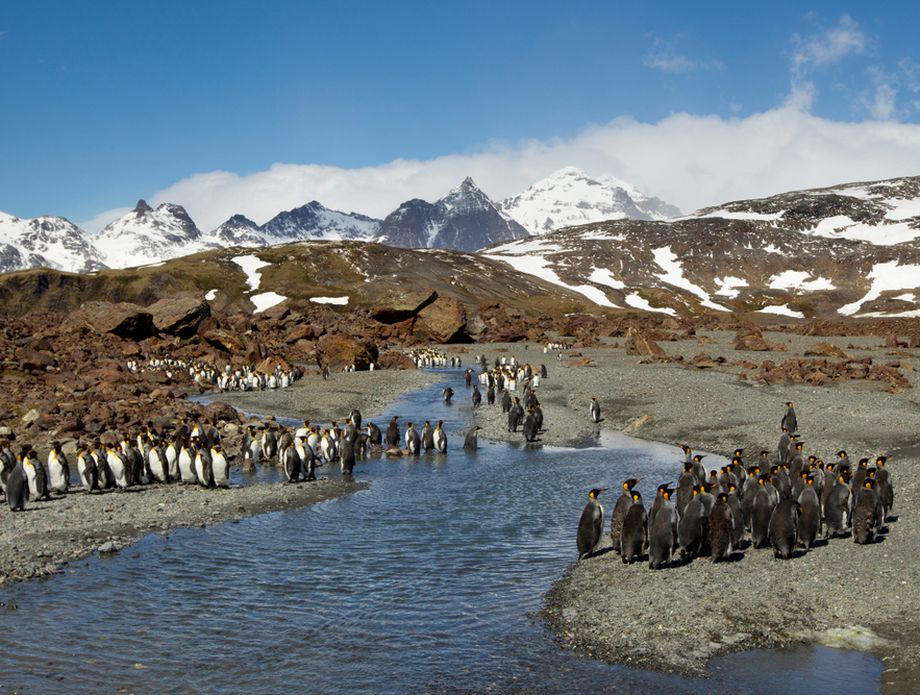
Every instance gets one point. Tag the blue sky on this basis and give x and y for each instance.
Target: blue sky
(106, 102)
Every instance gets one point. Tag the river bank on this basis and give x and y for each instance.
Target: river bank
(38, 542)
(679, 618)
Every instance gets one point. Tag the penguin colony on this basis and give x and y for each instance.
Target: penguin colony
(429, 357)
(504, 378)
(224, 378)
(781, 500)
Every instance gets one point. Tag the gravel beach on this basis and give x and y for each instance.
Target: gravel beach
(40, 541)
(677, 619)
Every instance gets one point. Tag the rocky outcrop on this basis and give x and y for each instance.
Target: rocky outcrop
(179, 315)
(122, 319)
(338, 351)
(637, 343)
(443, 321)
(752, 339)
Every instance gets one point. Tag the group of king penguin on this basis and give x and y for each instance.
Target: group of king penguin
(502, 379)
(782, 500)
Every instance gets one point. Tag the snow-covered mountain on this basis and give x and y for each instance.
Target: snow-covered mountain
(781, 255)
(464, 220)
(315, 221)
(570, 197)
(49, 242)
(148, 235)
(239, 230)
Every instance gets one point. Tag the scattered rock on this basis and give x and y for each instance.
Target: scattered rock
(107, 548)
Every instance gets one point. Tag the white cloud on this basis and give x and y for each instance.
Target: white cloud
(665, 57)
(819, 50)
(688, 160)
(882, 103)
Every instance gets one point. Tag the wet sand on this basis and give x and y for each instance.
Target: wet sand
(677, 619)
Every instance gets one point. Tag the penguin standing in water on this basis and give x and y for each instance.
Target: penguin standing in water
(810, 513)
(374, 435)
(784, 528)
(427, 437)
(506, 402)
(619, 512)
(595, 410)
(58, 469)
(347, 457)
(721, 529)
(591, 524)
(662, 530)
(471, 440)
(393, 433)
(838, 507)
(477, 397)
(867, 515)
(413, 443)
(355, 418)
(634, 537)
(789, 422)
(269, 446)
(447, 394)
(439, 438)
(17, 487)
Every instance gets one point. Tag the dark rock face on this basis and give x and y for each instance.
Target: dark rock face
(179, 315)
(122, 319)
(239, 230)
(464, 220)
(315, 221)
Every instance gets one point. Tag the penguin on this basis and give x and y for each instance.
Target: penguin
(490, 394)
(789, 422)
(721, 529)
(186, 463)
(838, 507)
(867, 514)
(104, 475)
(810, 513)
(219, 467)
(204, 469)
(698, 469)
(269, 446)
(782, 448)
(347, 456)
(530, 427)
(784, 528)
(779, 476)
(884, 486)
(538, 417)
(468, 376)
(392, 438)
(156, 462)
(515, 415)
(595, 410)
(734, 504)
(591, 524)
(447, 394)
(439, 438)
(119, 467)
(374, 435)
(685, 487)
(688, 452)
(506, 402)
(619, 512)
(761, 513)
(86, 468)
(58, 469)
(427, 437)
(477, 397)
(658, 501)
(35, 474)
(290, 464)
(355, 418)
(691, 527)
(17, 487)
(634, 536)
(413, 443)
(662, 530)
(796, 459)
(471, 440)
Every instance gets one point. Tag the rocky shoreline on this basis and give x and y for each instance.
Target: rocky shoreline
(679, 618)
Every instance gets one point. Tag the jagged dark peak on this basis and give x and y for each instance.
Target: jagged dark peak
(142, 208)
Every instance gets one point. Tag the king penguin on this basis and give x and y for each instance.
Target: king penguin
(634, 537)
(17, 487)
(595, 410)
(591, 524)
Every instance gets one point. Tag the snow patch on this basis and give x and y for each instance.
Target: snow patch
(885, 276)
(674, 275)
(251, 265)
(639, 302)
(210, 295)
(538, 266)
(728, 285)
(782, 310)
(330, 300)
(266, 300)
(602, 276)
(741, 215)
(796, 279)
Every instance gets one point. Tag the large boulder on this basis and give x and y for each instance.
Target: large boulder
(443, 321)
(403, 307)
(752, 339)
(639, 344)
(179, 315)
(338, 351)
(224, 340)
(123, 319)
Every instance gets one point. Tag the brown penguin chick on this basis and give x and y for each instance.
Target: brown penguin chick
(721, 529)
(619, 512)
(867, 515)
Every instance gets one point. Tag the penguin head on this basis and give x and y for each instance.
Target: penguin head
(789, 404)
(785, 429)
(863, 463)
(636, 496)
(841, 454)
(628, 485)
(695, 491)
(869, 483)
(723, 497)
(764, 453)
(880, 461)
(594, 492)
(809, 480)
(799, 445)
(732, 487)
(738, 453)
(686, 449)
(870, 472)
(698, 458)
(688, 467)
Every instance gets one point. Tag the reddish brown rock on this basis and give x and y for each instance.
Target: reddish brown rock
(443, 321)
(125, 320)
(337, 351)
(638, 344)
(891, 341)
(179, 314)
(752, 339)
(826, 350)
(224, 340)
(395, 359)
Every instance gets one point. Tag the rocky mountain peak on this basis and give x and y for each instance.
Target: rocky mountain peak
(142, 208)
